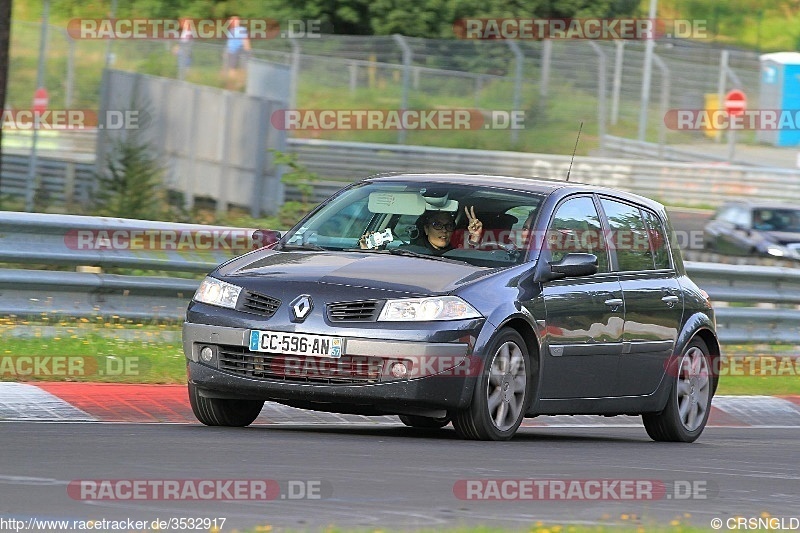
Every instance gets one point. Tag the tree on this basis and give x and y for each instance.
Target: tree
(132, 184)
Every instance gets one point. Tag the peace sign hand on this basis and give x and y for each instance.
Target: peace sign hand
(475, 226)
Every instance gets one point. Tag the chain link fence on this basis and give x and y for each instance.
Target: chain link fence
(557, 84)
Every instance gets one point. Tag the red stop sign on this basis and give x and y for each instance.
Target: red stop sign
(40, 100)
(735, 102)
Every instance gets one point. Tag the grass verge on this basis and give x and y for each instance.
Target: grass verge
(142, 353)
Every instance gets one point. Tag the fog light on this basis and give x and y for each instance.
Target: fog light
(206, 354)
(399, 370)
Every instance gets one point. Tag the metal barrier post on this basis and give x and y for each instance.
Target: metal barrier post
(601, 94)
(407, 56)
(518, 64)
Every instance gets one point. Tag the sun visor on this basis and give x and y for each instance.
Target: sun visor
(397, 203)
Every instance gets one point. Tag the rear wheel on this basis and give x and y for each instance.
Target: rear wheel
(689, 403)
(501, 393)
(219, 412)
(416, 421)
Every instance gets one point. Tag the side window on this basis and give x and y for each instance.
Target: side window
(629, 236)
(576, 228)
(658, 240)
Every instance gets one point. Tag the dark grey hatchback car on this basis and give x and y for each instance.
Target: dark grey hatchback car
(476, 300)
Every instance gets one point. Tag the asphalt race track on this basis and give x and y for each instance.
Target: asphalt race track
(390, 476)
(358, 473)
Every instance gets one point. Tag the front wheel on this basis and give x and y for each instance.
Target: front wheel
(689, 403)
(220, 412)
(501, 393)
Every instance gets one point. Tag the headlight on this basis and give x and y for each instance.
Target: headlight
(215, 292)
(777, 251)
(423, 309)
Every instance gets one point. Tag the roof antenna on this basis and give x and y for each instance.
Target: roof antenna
(574, 150)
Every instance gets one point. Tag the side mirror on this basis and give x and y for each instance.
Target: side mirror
(265, 238)
(571, 265)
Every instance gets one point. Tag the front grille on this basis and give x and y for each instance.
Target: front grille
(363, 311)
(259, 304)
(345, 370)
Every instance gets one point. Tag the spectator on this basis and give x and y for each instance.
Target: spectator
(236, 48)
(183, 50)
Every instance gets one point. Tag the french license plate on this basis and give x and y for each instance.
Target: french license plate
(295, 344)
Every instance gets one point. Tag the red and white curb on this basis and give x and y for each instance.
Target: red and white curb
(111, 402)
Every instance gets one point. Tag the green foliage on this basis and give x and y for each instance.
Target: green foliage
(760, 24)
(301, 179)
(429, 18)
(132, 184)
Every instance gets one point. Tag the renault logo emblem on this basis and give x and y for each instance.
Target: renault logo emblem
(301, 307)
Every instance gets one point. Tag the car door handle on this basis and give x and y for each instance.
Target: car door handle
(670, 300)
(613, 302)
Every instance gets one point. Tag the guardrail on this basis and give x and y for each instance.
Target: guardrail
(41, 240)
(68, 240)
(64, 177)
(670, 182)
(635, 149)
(340, 163)
(58, 295)
(754, 304)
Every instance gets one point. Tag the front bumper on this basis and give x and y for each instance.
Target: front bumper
(359, 382)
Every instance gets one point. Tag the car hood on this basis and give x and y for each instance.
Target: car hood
(369, 270)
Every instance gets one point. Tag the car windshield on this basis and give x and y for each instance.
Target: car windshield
(483, 226)
(772, 219)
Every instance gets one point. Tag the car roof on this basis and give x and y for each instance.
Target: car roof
(544, 186)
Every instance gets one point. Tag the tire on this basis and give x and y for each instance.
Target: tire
(502, 392)
(415, 421)
(689, 403)
(219, 412)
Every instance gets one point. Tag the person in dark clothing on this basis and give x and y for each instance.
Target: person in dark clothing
(437, 227)
(435, 230)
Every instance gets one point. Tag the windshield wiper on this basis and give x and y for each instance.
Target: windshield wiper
(392, 251)
(305, 246)
(409, 253)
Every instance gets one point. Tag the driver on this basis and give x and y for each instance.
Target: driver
(436, 230)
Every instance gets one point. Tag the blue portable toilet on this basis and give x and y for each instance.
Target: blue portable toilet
(780, 90)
